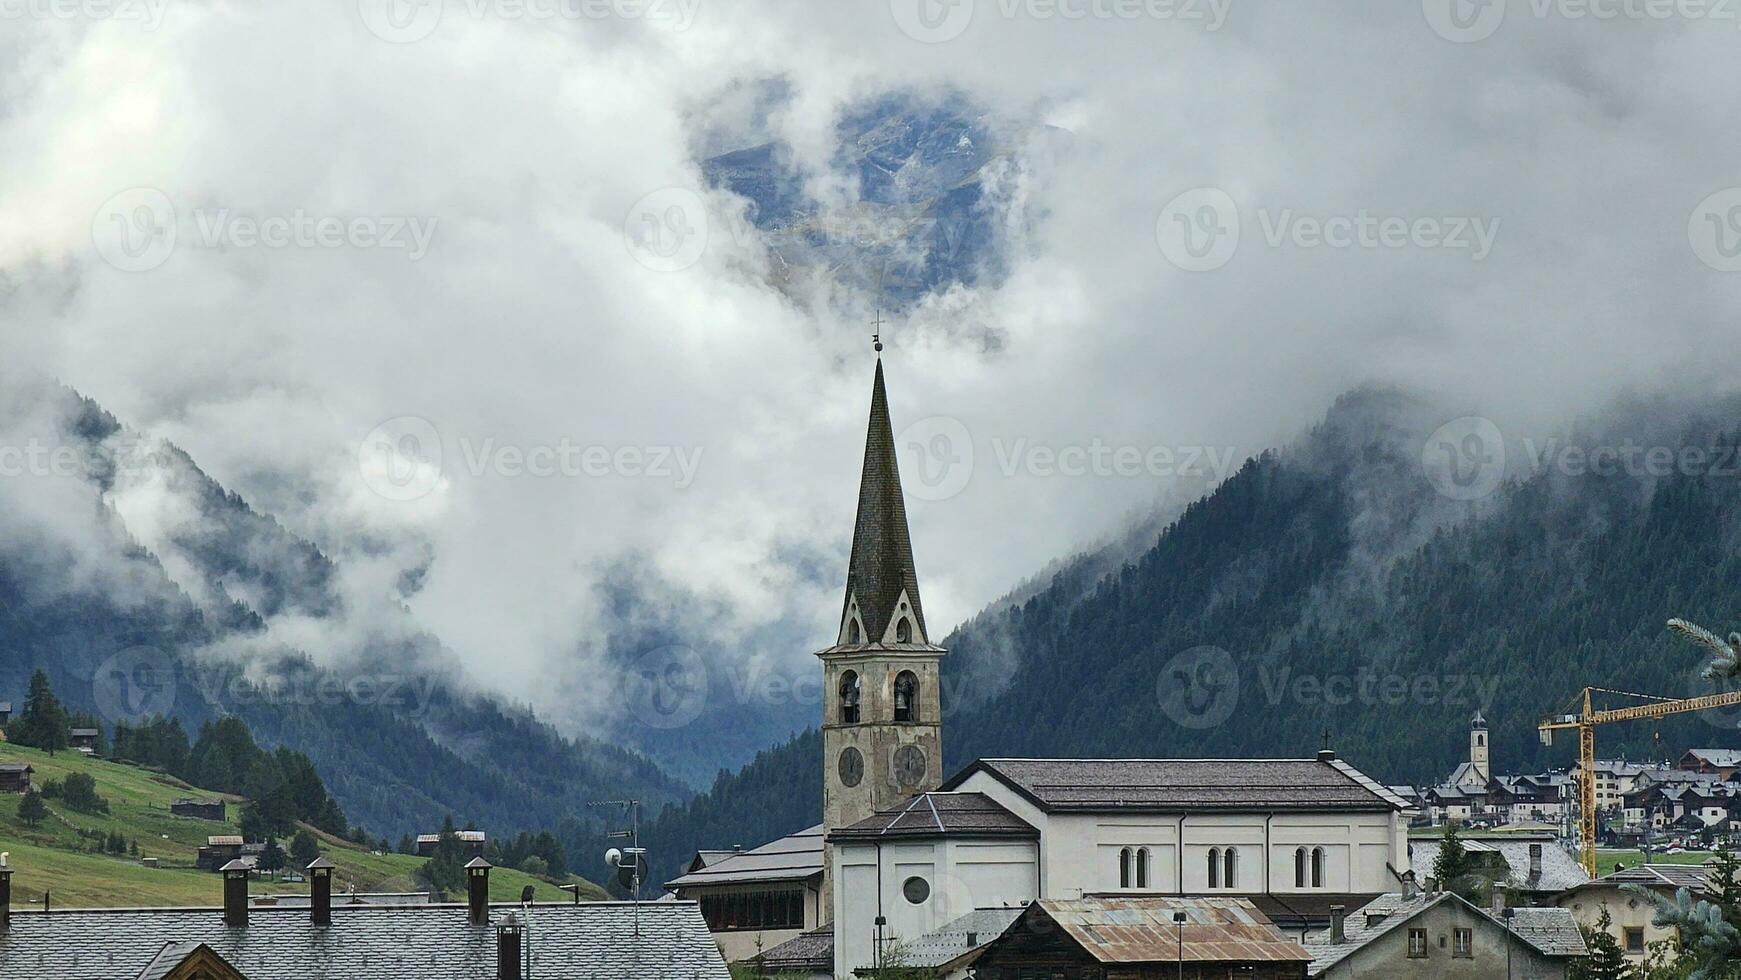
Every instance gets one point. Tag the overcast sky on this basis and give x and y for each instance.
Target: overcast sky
(479, 281)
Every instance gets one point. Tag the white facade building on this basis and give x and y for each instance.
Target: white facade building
(1005, 832)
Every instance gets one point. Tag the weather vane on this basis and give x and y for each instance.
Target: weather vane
(877, 337)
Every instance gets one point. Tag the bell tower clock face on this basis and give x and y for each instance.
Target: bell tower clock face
(909, 766)
(851, 767)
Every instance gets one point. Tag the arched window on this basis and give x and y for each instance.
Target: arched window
(1480, 740)
(906, 696)
(1142, 868)
(904, 631)
(1299, 867)
(849, 698)
(1215, 867)
(1317, 867)
(852, 635)
(1124, 868)
(1229, 875)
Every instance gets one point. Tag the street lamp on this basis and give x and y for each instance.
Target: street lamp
(1179, 920)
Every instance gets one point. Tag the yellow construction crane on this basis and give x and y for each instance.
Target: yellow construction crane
(1585, 718)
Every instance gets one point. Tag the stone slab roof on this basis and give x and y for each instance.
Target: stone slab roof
(590, 941)
(940, 815)
(1693, 877)
(964, 937)
(1197, 785)
(1560, 870)
(794, 858)
(807, 952)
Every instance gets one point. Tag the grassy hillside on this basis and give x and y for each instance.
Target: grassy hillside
(53, 857)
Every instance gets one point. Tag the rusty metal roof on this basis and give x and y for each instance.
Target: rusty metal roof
(1142, 930)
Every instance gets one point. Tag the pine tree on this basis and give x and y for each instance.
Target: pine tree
(272, 858)
(43, 724)
(31, 809)
(1607, 961)
(444, 871)
(1453, 861)
(303, 849)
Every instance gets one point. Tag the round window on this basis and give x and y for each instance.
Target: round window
(916, 890)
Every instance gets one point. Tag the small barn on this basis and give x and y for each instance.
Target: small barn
(198, 809)
(84, 740)
(219, 851)
(15, 777)
(471, 843)
(1143, 939)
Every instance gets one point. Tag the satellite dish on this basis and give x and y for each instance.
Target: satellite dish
(526, 895)
(630, 867)
(613, 857)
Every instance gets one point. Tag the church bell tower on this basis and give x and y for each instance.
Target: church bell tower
(1478, 749)
(882, 726)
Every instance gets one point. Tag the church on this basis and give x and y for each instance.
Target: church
(909, 863)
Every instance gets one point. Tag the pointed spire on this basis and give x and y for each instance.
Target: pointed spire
(880, 574)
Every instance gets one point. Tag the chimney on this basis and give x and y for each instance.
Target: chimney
(1326, 755)
(1338, 924)
(236, 894)
(320, 891)
(477, 880)
(509, 936)
(1535, 861)
(5, 894)
(1498, 902)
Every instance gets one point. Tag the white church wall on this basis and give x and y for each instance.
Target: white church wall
(959, 876)
(983, 875)
(855, 906)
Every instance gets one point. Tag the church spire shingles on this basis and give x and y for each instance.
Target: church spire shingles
(880, 575)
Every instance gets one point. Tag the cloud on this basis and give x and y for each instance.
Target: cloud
(530, 331)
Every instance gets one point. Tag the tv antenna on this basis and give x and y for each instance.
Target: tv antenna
(630, 862)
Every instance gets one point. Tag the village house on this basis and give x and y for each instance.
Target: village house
(1722, 763)
(759, 899)
(1441, 936)
(1532, 865)
(473, 940)
(1632, 915)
